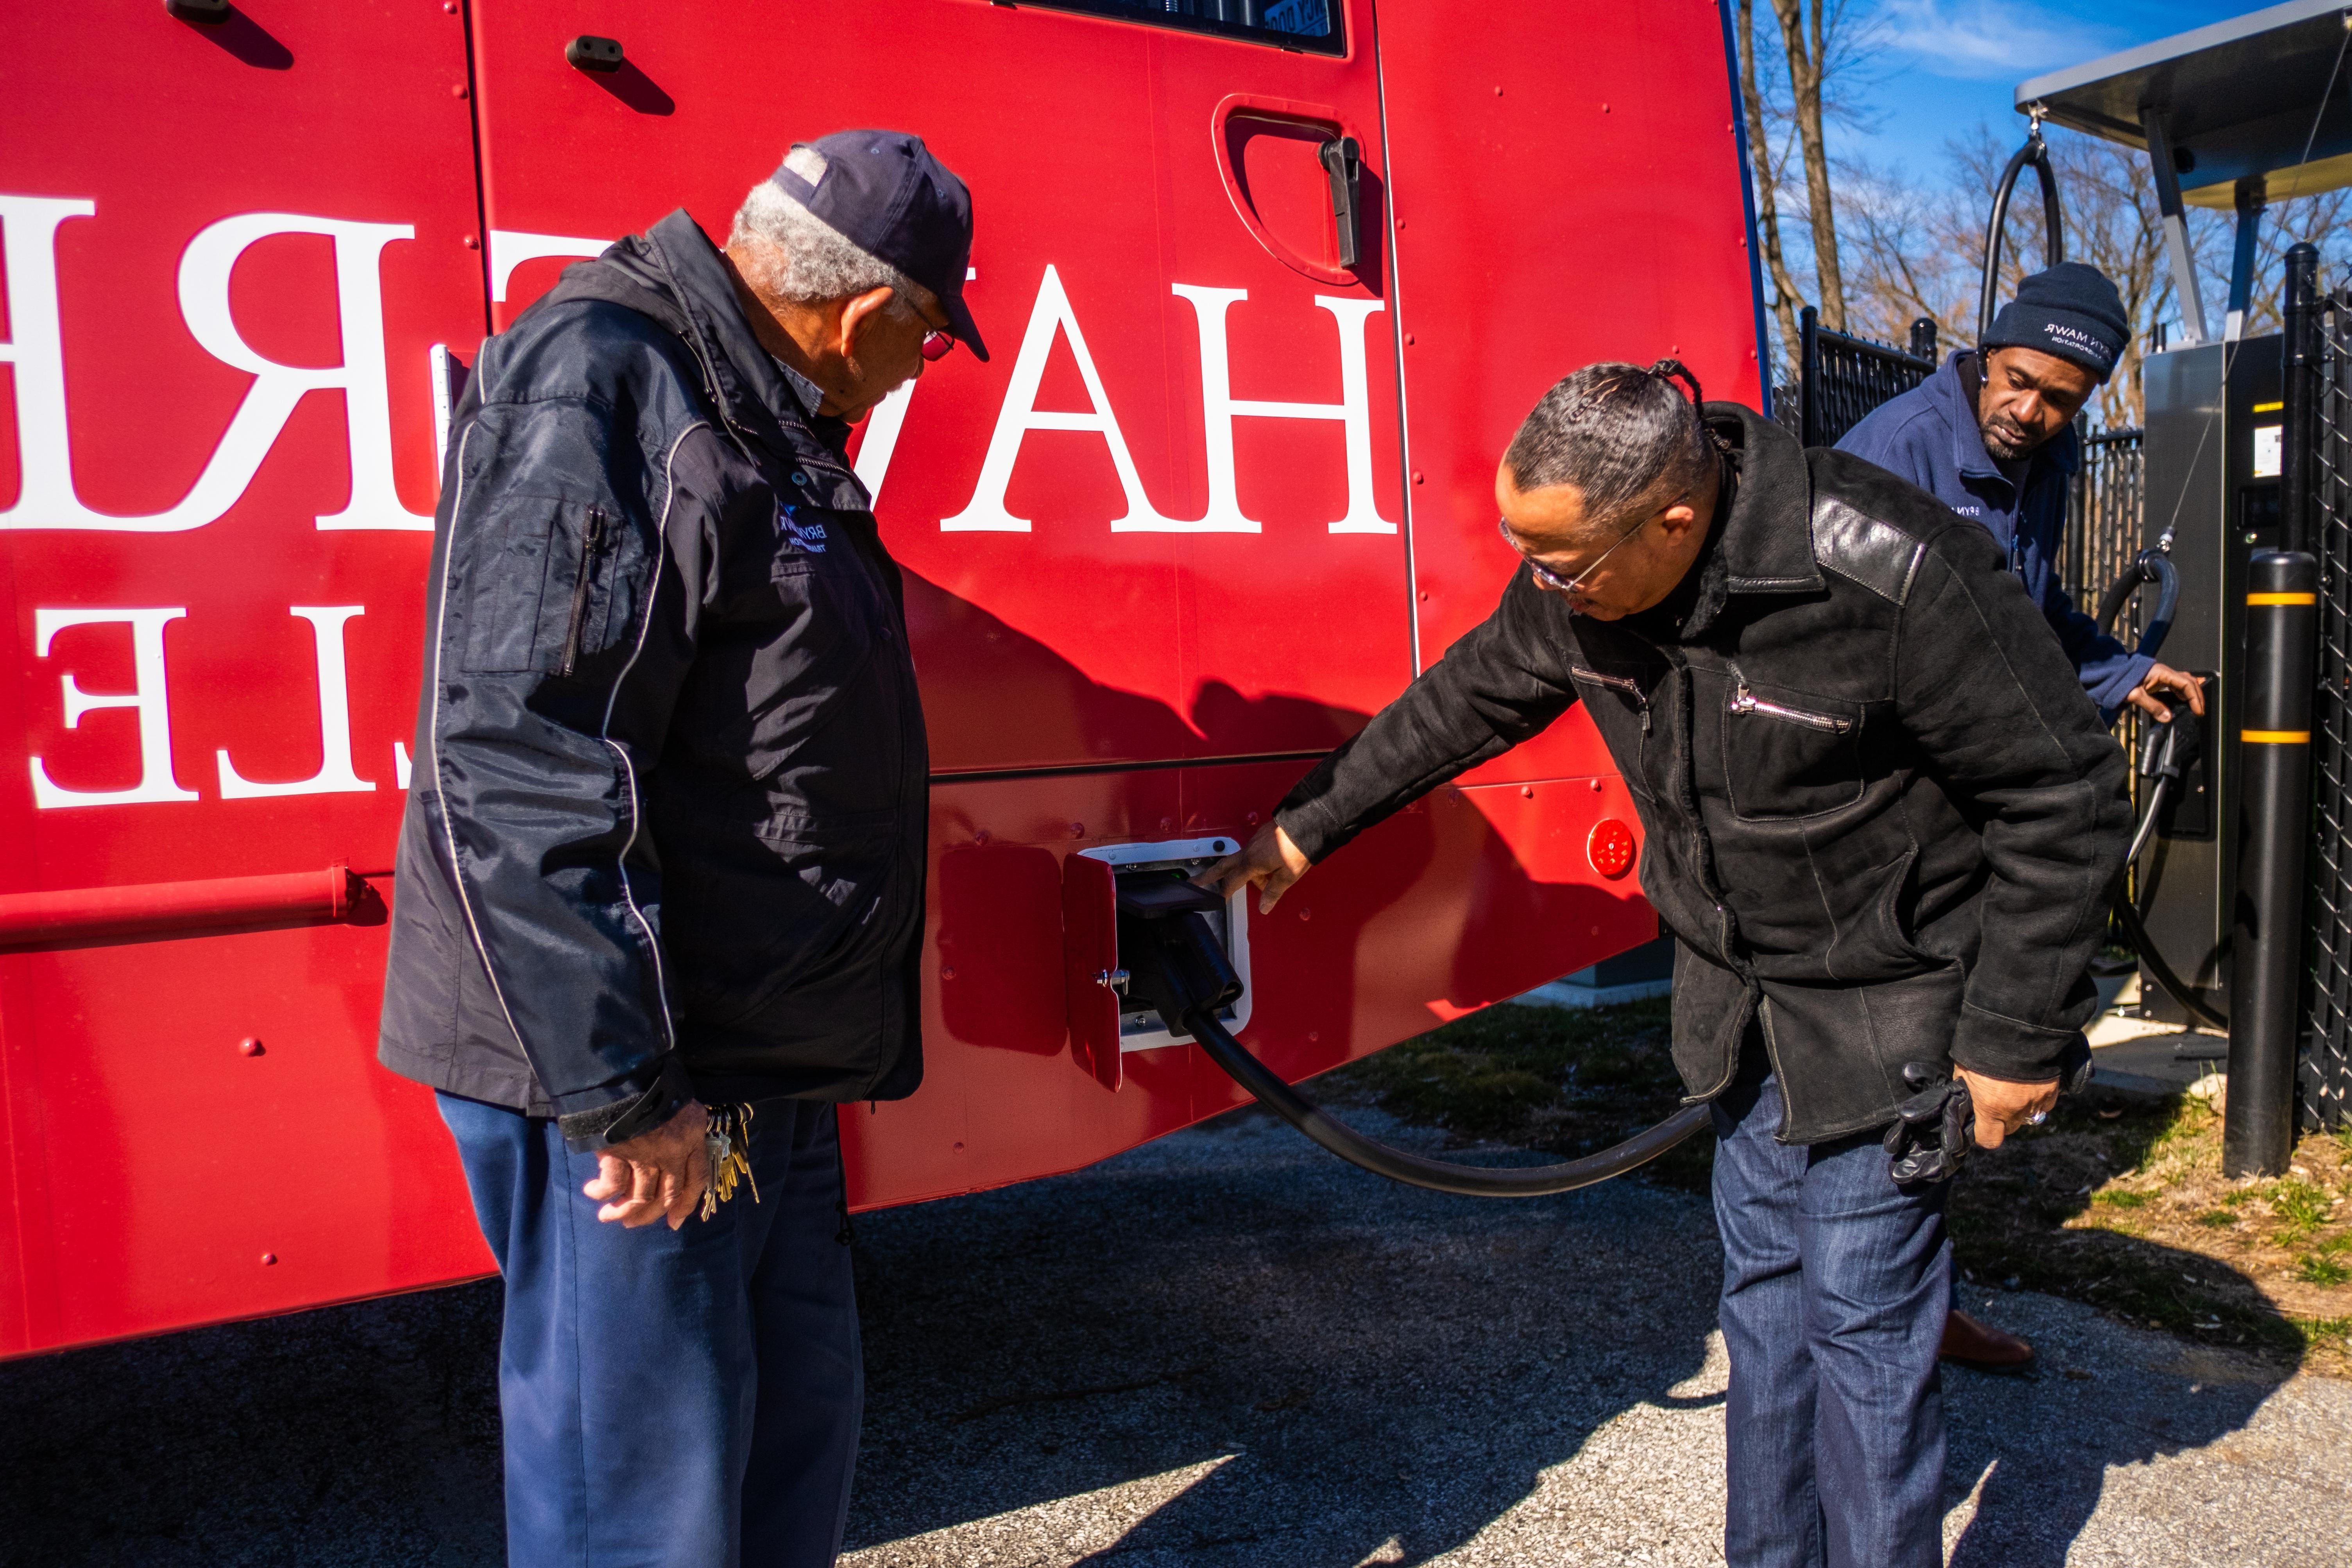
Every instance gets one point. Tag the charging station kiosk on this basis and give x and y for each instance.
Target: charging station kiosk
(2232, 117)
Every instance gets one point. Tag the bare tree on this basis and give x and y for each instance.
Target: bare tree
(1922, 252)
(1806, 41)
(1761, 140)
(1790, 78)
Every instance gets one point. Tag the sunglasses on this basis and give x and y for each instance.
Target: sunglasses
(1553, 580)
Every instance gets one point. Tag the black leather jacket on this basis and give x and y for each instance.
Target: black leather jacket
(1879, 812)
(665, 833)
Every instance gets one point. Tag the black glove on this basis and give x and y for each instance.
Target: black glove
(1934, 1130)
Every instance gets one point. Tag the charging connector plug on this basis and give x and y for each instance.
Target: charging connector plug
(1174, 961)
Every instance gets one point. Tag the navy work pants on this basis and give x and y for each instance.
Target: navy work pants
(685, 1397)
(1835, 1284)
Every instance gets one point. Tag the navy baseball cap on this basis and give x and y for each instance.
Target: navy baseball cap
(884, 192)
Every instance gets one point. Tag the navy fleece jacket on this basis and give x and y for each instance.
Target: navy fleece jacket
(1929, 436)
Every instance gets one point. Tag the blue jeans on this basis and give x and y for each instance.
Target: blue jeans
(1835, 1284)
(685, 1397)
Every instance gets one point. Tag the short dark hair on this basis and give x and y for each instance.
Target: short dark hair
(1615, 431)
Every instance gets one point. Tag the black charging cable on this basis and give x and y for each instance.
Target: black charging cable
(2168, 754)
(1176, 964)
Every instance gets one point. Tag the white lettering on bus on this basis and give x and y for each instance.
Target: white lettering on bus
(985, 512)
(1219, 407)
(46, 498)
(363, 377)
(336, 774)
(146, 695)
(510, 248)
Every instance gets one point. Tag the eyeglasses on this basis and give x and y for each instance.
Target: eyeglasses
(937, 345)
(1553, 580)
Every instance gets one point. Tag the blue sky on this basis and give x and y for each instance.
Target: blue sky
(1939, 67)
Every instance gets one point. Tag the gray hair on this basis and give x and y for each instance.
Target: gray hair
(806, 258)
(1618, 433)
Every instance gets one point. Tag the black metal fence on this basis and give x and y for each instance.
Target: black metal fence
(2103, 521)
(1841, 378)
(2325, 1084)
(2103, 534)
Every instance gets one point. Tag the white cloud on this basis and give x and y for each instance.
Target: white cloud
(1986, 40)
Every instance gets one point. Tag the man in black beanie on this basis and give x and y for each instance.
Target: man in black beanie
(1992, 436)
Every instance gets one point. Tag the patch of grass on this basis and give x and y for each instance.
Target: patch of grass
(2300, 1207)
(2313, 1268)
(2319, 1332)
(2121, 1198)
(2217, 1219)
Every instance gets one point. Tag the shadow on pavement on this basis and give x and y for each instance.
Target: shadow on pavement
(1381, 1371)
(358, 1435)
(2048, 1451)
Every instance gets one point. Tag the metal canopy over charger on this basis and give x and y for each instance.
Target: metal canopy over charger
(2249, 110)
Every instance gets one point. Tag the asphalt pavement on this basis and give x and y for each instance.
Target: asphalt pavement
(1224, 1348)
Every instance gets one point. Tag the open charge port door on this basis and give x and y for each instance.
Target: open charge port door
(1106, 1022)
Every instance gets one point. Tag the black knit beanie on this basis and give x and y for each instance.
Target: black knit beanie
(2071, 312)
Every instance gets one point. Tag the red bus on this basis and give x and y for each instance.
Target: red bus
(1271, 281)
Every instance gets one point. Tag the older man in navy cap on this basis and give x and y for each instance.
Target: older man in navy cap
(661, 869)
(1990, 434)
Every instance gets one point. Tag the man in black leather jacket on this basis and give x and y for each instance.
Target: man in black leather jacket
(660, 878)
(1882, 820)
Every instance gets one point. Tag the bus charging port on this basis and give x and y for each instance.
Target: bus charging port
(1171, 943)
(1113, 896)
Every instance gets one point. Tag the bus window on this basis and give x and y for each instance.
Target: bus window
(1293, 24)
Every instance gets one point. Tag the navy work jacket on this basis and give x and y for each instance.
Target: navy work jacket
(1929, 436)
(666, 831)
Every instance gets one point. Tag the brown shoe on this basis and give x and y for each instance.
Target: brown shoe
(1983, 1348)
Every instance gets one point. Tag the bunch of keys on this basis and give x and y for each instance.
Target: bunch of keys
(729, 1146)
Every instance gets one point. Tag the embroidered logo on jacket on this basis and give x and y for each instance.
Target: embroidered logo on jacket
(799, 536)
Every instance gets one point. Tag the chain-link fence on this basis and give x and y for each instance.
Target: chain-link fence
(2326, 1080)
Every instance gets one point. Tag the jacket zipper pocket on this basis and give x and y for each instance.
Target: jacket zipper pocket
(1746, 701)
(592, 544)
(1625, 684)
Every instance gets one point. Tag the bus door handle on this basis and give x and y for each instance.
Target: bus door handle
(1341, 156)
(1343, 161)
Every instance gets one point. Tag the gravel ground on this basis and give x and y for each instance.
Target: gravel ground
(1223, 1349)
